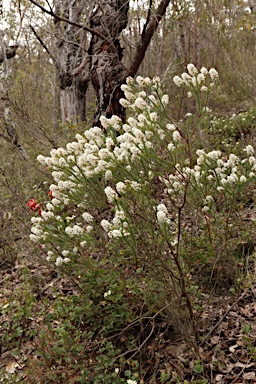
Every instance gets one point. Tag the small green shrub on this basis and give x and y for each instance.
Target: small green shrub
(230, 133)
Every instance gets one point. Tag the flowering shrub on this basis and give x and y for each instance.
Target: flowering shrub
(103, 181)
(148, 197)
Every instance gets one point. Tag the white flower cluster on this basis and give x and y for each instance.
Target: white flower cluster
(162, 214)
(111, 194)
(60, 260)
(108, 293)
(176, 181)
(138, 101)
(37, 231)
(76, 230)
(218, 172)
(227, 172)
(96, 154)
(88, 218)
(118, 227)
(194, 79)
(249, 150)
(122, 165)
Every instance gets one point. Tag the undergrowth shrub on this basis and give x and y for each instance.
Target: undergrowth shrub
(98, 330)
(230, 133)
(142, 219)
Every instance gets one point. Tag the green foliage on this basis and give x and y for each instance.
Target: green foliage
(141, 220)
(230, 133)
(17, 310)
(87, 333)
(198, 368)
(246, 329)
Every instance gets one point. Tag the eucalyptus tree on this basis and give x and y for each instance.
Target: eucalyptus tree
(7, 129)
(89, 49)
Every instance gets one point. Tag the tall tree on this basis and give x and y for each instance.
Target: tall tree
(102, 62)
(7, 128)
(70, 60)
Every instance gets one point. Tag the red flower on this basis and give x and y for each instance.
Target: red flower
(50, 194)
(34, 206)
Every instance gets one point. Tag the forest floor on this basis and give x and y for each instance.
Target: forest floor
(226, 354)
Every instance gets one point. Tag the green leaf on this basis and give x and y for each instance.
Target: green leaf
(246, 329)
(198, 368)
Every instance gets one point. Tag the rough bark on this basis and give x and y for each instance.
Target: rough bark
(107, 71)
(106, 67)
(70, 62)
(7, 128)
(183, 36)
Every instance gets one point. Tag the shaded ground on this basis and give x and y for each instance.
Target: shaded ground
(226, 354)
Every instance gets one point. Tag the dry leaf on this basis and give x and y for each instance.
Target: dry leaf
(242, 343)
(249, 375)
(233, 314)
(232, 349)
(11, 367)
(215, 339)
(240, 365)
(229, 368)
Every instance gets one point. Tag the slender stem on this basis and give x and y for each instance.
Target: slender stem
(57, 17)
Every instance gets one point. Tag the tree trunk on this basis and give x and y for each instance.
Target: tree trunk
(7, 127)
(106, 68)
(70, 62)
(106, 71)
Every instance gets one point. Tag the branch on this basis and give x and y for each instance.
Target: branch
(44, 46)
(57, 17)
(146, 36)
(13, 139)
(6, 138)
(148, 17)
